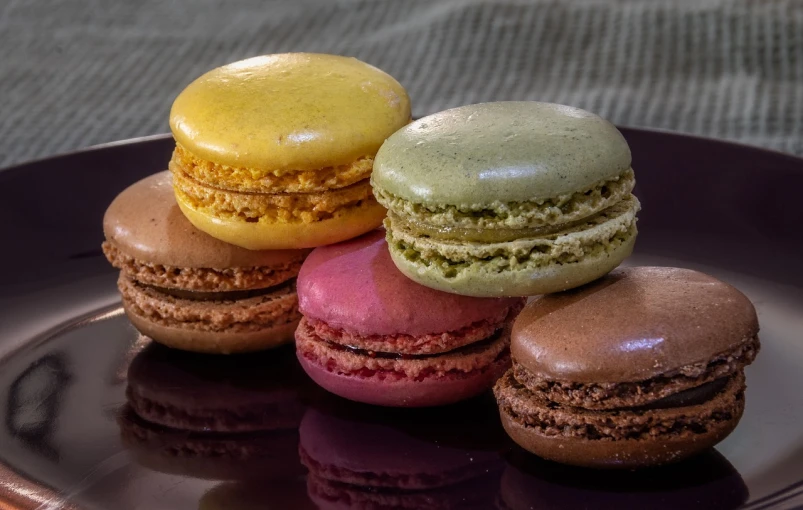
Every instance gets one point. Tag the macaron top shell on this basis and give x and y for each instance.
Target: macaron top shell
(294, 111)
(505, 151)
(634, 324)
(145, 222)
(355, 286)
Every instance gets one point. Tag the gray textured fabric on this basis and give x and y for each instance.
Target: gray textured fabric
(76, 73)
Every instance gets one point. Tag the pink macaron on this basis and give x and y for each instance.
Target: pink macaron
(371, 335)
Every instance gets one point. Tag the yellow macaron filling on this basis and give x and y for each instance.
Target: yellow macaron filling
(268, 208)
(267, 180)
(342, 224)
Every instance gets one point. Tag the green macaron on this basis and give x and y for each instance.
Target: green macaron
(507, 198)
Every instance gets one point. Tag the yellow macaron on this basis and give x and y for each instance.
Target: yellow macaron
(276, 152)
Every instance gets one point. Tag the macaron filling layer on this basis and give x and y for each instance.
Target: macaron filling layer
(267, 180)
(280, 306)
(600, 235)
(291, 208)
(424, 344)
(200, 279)
(538, 414)
(476, 346)
(464, 221)
(639, 393)
(361, 363)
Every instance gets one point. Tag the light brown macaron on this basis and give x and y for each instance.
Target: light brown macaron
(190, 291)
(642, 367)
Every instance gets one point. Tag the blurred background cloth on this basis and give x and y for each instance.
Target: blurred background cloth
(79, 72)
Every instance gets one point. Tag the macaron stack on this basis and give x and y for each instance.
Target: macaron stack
(372, 335)
(275, 152)
(642, 367)
(507, 199)
(188, 290)
(272, 156)
(483, 205)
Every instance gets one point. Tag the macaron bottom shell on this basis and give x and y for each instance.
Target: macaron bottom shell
(484, 280)
(266, 235)
(221, 325)
(212, 342)
(664, 435)
(428, 392)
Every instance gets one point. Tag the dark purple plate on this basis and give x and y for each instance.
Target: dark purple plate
(68, 440)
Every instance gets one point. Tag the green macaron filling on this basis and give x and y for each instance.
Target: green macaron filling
(603, 234)
(501, 221)
(501, 263)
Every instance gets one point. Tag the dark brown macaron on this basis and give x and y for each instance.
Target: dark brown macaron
(642, 367)
(190, 291)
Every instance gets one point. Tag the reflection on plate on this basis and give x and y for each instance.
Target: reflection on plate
(212, 417)
(706, 481)
(366, 457)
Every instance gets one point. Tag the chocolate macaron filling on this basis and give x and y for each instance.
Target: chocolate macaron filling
(639, 393)
(313, 342)
(694, 412)
(251, 310)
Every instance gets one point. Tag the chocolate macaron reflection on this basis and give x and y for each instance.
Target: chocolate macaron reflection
(365, 457)
(642, 367)
(226, 418)
(705, 482)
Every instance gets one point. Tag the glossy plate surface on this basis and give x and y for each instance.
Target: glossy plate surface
(67, 439)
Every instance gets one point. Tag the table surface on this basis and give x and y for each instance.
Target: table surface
(80, 72)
